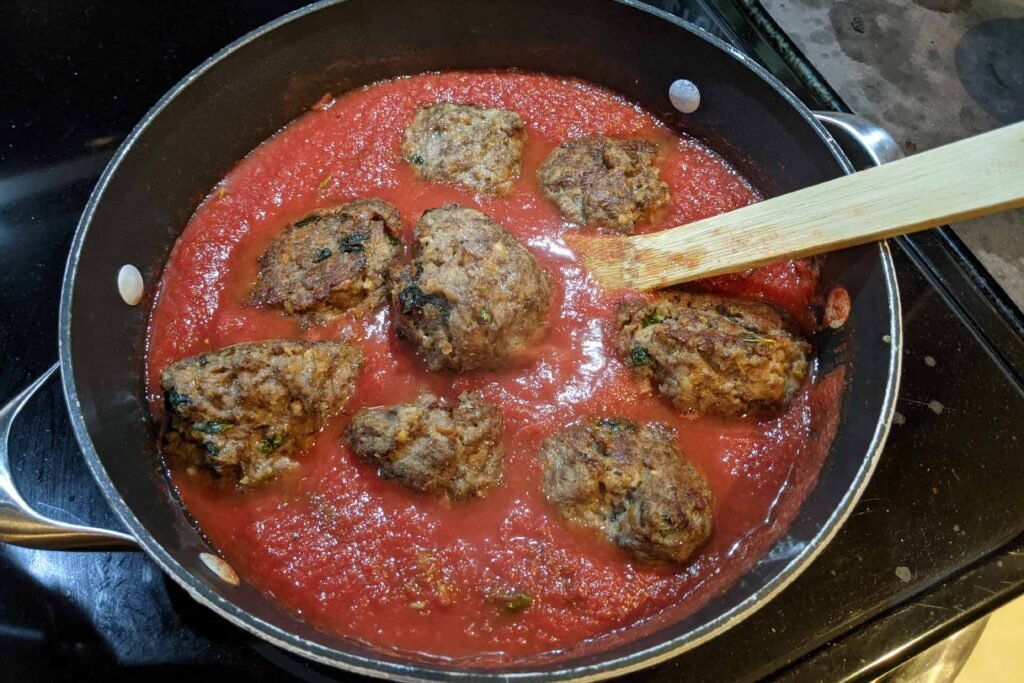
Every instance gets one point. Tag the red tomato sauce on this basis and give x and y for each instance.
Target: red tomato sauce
(362, 557)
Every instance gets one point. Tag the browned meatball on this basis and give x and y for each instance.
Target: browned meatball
(447, 452)
(632, 483)
(603, 181)
(479, 148)
(331, 261)
(244, 410)
(709, 354)
(473, 296)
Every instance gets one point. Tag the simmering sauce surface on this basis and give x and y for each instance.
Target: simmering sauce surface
(364, 558)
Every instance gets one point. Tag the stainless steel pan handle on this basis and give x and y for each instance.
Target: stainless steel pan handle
(19, 523)
(865, 144)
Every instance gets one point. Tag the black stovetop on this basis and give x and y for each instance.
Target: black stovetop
(936, 541)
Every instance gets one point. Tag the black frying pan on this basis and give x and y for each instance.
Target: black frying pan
(227, 106)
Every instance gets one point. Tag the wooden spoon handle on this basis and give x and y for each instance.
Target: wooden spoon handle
(973, 177)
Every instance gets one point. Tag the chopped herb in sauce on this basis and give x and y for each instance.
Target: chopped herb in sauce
(484, 315)
(174, 400)
(324, 254)
(212, 427)
(394, 240)
(211, 448)
(306, 221)
(511, 604)
(416, 159)
(413, 299)
(350, 244)
(652, 319)
(272, 443)
(640, 356)
(616, 425)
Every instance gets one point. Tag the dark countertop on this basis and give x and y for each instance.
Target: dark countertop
(937, 540)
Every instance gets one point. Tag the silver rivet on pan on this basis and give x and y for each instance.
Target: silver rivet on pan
(130, 285)
(684, 96)
(222, 569)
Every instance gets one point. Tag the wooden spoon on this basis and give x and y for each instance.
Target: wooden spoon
(973, 177)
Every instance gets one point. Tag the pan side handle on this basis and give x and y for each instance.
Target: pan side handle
(865, 144)
(19, 523)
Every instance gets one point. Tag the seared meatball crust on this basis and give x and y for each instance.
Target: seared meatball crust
(604, 181)
(473, 296)
(460, 143)
(331, 261)
(242, 412)
(448, 452)
(630, 482)
(709, 354)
